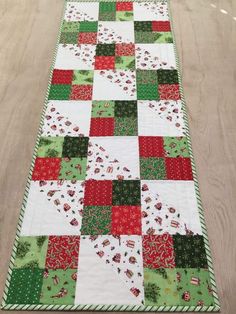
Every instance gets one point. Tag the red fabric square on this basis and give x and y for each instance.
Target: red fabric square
(81, 92)
(87, 38)
(158, 251)
(178, 168)
(104, 63)
(161, 26)
(63, 252)
(102, 127)
(124, 6)
(151, 146)
(125, 50)
(46, 168)
(169, 91)
(62, 76)
(126, 220)
(98, 193)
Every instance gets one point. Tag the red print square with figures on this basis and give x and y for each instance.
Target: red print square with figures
(178, 168)
(63, 252)
(81, 92)
(126, 220)
(104, 63)
(46, 169)
(87, 38)
(151, 146)
(102, 127)
(98, 193)
(158, 251)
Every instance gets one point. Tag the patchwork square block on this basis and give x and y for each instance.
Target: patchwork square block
(126, 192)
(46, 168)
(25, 286)
(73, 168)
(59, 286)
(63, 252)
(158, 251)
(98, 193)
(96, 220)
(189, 251)
(126, 220)
(75, 147)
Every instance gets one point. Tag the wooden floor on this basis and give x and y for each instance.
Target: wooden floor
(206, 39)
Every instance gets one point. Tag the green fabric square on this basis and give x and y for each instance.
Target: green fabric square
(194, 287)
(124, 16)
(25, 286)
(152, 168)
(88, 26)
(107, 7)
(147, 92)
(126, 126)
(163, 37)
(146, 77)
(59, 92)
(59, 287)
(176, 147)
(189, 251)
(31, 252)
(105, 50)
(160, 287)
(125, 63)
(152, 37)
(50, 147)
(75, 147)
(103, 109)
(69, 38)
(82, 77)
(167, 76)
(126, 192)
(143, 26)
(107, 16)
(126, 108)
(73, 168)
(96, 220)
(70, 27)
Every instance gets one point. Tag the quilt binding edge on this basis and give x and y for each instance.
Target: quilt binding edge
(111, 307)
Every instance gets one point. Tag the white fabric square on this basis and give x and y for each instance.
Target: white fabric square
(67, 117)
(169, 206)
(150, 11)
(114, 84)
(153, 56)
(110, 157)
(76, 57)
(81, 11)
(115, 32)
(160, 118)
(48, 213)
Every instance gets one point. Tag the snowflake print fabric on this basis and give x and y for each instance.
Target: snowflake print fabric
(111, 219)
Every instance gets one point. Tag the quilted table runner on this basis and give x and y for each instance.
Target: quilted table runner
(111, 218)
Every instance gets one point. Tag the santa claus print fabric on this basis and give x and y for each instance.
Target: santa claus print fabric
(112, 218)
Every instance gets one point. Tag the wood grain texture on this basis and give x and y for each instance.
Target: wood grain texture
(206, 42)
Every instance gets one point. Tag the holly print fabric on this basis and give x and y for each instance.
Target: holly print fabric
(112, 219)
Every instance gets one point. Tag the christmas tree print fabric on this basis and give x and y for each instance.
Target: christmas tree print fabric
(112, 216)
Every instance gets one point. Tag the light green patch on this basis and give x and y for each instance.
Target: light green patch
(176, 147)
(59, 287)
(70, 27)
(124, 16)
(31, 252)
(103, 109)
(82, 77)
(160, 287)
(197, 283)
(73, 169)
(50, 147)
(164, 37)
(125, 62)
